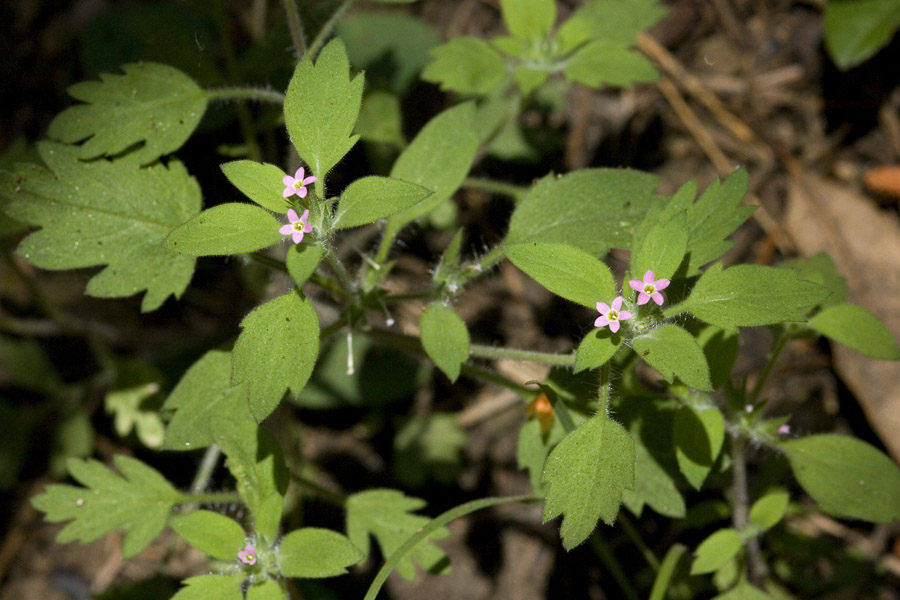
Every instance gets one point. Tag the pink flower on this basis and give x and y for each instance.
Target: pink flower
(649, 288)
(297, 226)
(784, 429)
(296, 184)
(611, 315)
(248, 555)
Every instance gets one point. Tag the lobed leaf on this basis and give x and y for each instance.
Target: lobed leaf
(673, 351)
(312, 552)
(610, 20)
(138, 502)
(846, 477)
(567, 271)
(467, 65)
(151, 103)
(661, 250)
(586, 475)
(602, 62)
(211, 587)
(428, 447)
(750, 295)
(276, 351)
(387, 516)
(267, 590)
(105, 213)
(445, 339)
(320, 109)
(369, 199)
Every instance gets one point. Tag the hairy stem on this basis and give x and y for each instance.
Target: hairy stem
(740, 516)
(328, 27)
(545, 358)
(767, 368)
(246, 93)
(206, 468)
(295, 24)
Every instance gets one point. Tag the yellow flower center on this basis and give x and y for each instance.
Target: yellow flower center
(299, 225)
(612, 315)
(298, 184)
(649, 289)
(250, 558)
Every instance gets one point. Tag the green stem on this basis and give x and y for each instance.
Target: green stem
(497, 187)
(206, 468)
(545, 358)
(492, 377)
(608, 558)
(491, 258)
(632, 533)
(667, 571)
(740, 515)
(340, 270)
(323, 492)
(327, 28)
(246, 93)
(603, 391)
(268, 261)
(295, 24)
(767, 368)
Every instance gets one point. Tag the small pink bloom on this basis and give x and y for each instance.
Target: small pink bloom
(297, 226)
(248, 555)
(611, 315)
(296, 184)
(784, 429)
(649, 288)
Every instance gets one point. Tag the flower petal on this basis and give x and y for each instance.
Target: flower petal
(288, 192)
(287, 180)
(636, 285)
(601, 321)
(624, 315)
(292, 215)
(307, 228)
(643, 299)
(603, 307)
(648, 277)
(662, 284)
(305, 216)
(298, 237)
(310, 180)
(617, 303)
(300, 173)
(286, 229)
(658, 298)
(614, 326)
(302, 192)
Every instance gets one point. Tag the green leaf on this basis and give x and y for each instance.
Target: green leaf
(586, 475)
(856, 327)
(820, 269)
(74, 437)
(134, 399)
(611, 20)
(255, 460)
(151, 103)
(261, 182)
(105, 213)
(380, 119)
(750, 295)
(602, 62)
(467, 65)
(597, 347)
(673, 351)
(204, 392)
(428, 447)
(652, 486)
(846, 476)
(302, 261)
(26, 365)
(439, 158)
(445, 339)
(667, 571)
(276, 351)
(533, 447)
(320, 109)
(720, 346)
(567, 271)
(661, 250)
(529, 19)
(698, 434)
(232, 228)
(857, 29)
(209, 587)
(137, 502)
(372, 198)
(529, 80)
(268, 516)
(769, 510)
(267, 590)
(715, 551)
(313, 553)
(745, 591)
(713, 217)
(591, 209)
(387, 515)
(392, 48)
(211, 533)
